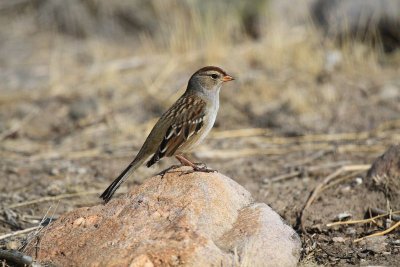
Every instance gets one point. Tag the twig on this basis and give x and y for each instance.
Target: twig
(377, 211)
(119, 65)
(43, 222)
(247, 152)
(320, 186)
(361, 221)
(44, 199)
(90, 153)
(328, 165)
(319, 137)
(338, 181)
(20, 232)
(309, 159)
(18, 126)
(333, 176)
(282, 177)
(239, 133)
(379, 233)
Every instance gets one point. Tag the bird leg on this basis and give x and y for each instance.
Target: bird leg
(182, 160)
(197, 167)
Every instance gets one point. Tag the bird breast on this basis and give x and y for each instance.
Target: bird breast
(209, 120)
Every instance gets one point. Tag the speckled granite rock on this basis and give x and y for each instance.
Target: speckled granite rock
(196, 219)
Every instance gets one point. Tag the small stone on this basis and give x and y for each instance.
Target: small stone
(82, 108)
(362, 255)
(343, 216)
(376, 244)
(346, 189)
(13, 245)
(55, 188)
(81, 170)
(333, 59)
(388, 223)
(54, 171)
(359, 180)
(351, 231)
(78, 222)
(389, 92)
(338, 239)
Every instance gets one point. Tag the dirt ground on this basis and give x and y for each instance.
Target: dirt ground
(73, 113)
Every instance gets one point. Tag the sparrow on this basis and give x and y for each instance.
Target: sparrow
(182, 127)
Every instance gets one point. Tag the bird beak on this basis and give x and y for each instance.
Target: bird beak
(227, 78)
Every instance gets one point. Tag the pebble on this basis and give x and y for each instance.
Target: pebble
(339, 239)
(389, 92)
(342, 216)
(351, 231)
(13, 245)
(376, 244)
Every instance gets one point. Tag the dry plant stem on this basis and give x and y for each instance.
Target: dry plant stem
(393, 216)
(332, 177)
(306, 144)
(329, 178)
(119, 65)
(44, 199)
(379, 233)
(309, 159)
(338, 181)
(327, 166)
(20, 232)
(18, 126)
(282, 177)
(361, 221)
(248, 152)
(33, 236)
(239, 133)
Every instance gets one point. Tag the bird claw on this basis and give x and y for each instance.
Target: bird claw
(199, 167)
(162, 173)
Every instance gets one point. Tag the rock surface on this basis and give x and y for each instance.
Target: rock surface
(194, 219)
(384, 173)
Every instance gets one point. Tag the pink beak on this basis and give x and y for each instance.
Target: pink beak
(227, 78)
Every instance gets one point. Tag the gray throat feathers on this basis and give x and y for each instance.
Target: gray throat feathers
(210, 96)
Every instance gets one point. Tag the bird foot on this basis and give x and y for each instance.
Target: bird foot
(199, 167)
(173, 167)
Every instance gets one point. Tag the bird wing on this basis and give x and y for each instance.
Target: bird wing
(187, 118)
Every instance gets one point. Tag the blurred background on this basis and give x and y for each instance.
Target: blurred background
(82, 82)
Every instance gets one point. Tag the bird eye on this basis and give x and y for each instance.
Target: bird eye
(214, 76)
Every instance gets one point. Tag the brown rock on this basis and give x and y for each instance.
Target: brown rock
(196, 219)
(376, 244)
(384, 173)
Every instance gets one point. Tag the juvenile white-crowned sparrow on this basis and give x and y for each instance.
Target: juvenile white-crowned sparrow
(185, 124)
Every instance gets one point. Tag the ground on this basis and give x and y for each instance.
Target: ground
(74, 111)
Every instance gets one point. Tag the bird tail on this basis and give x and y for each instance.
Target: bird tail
(109, 192)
